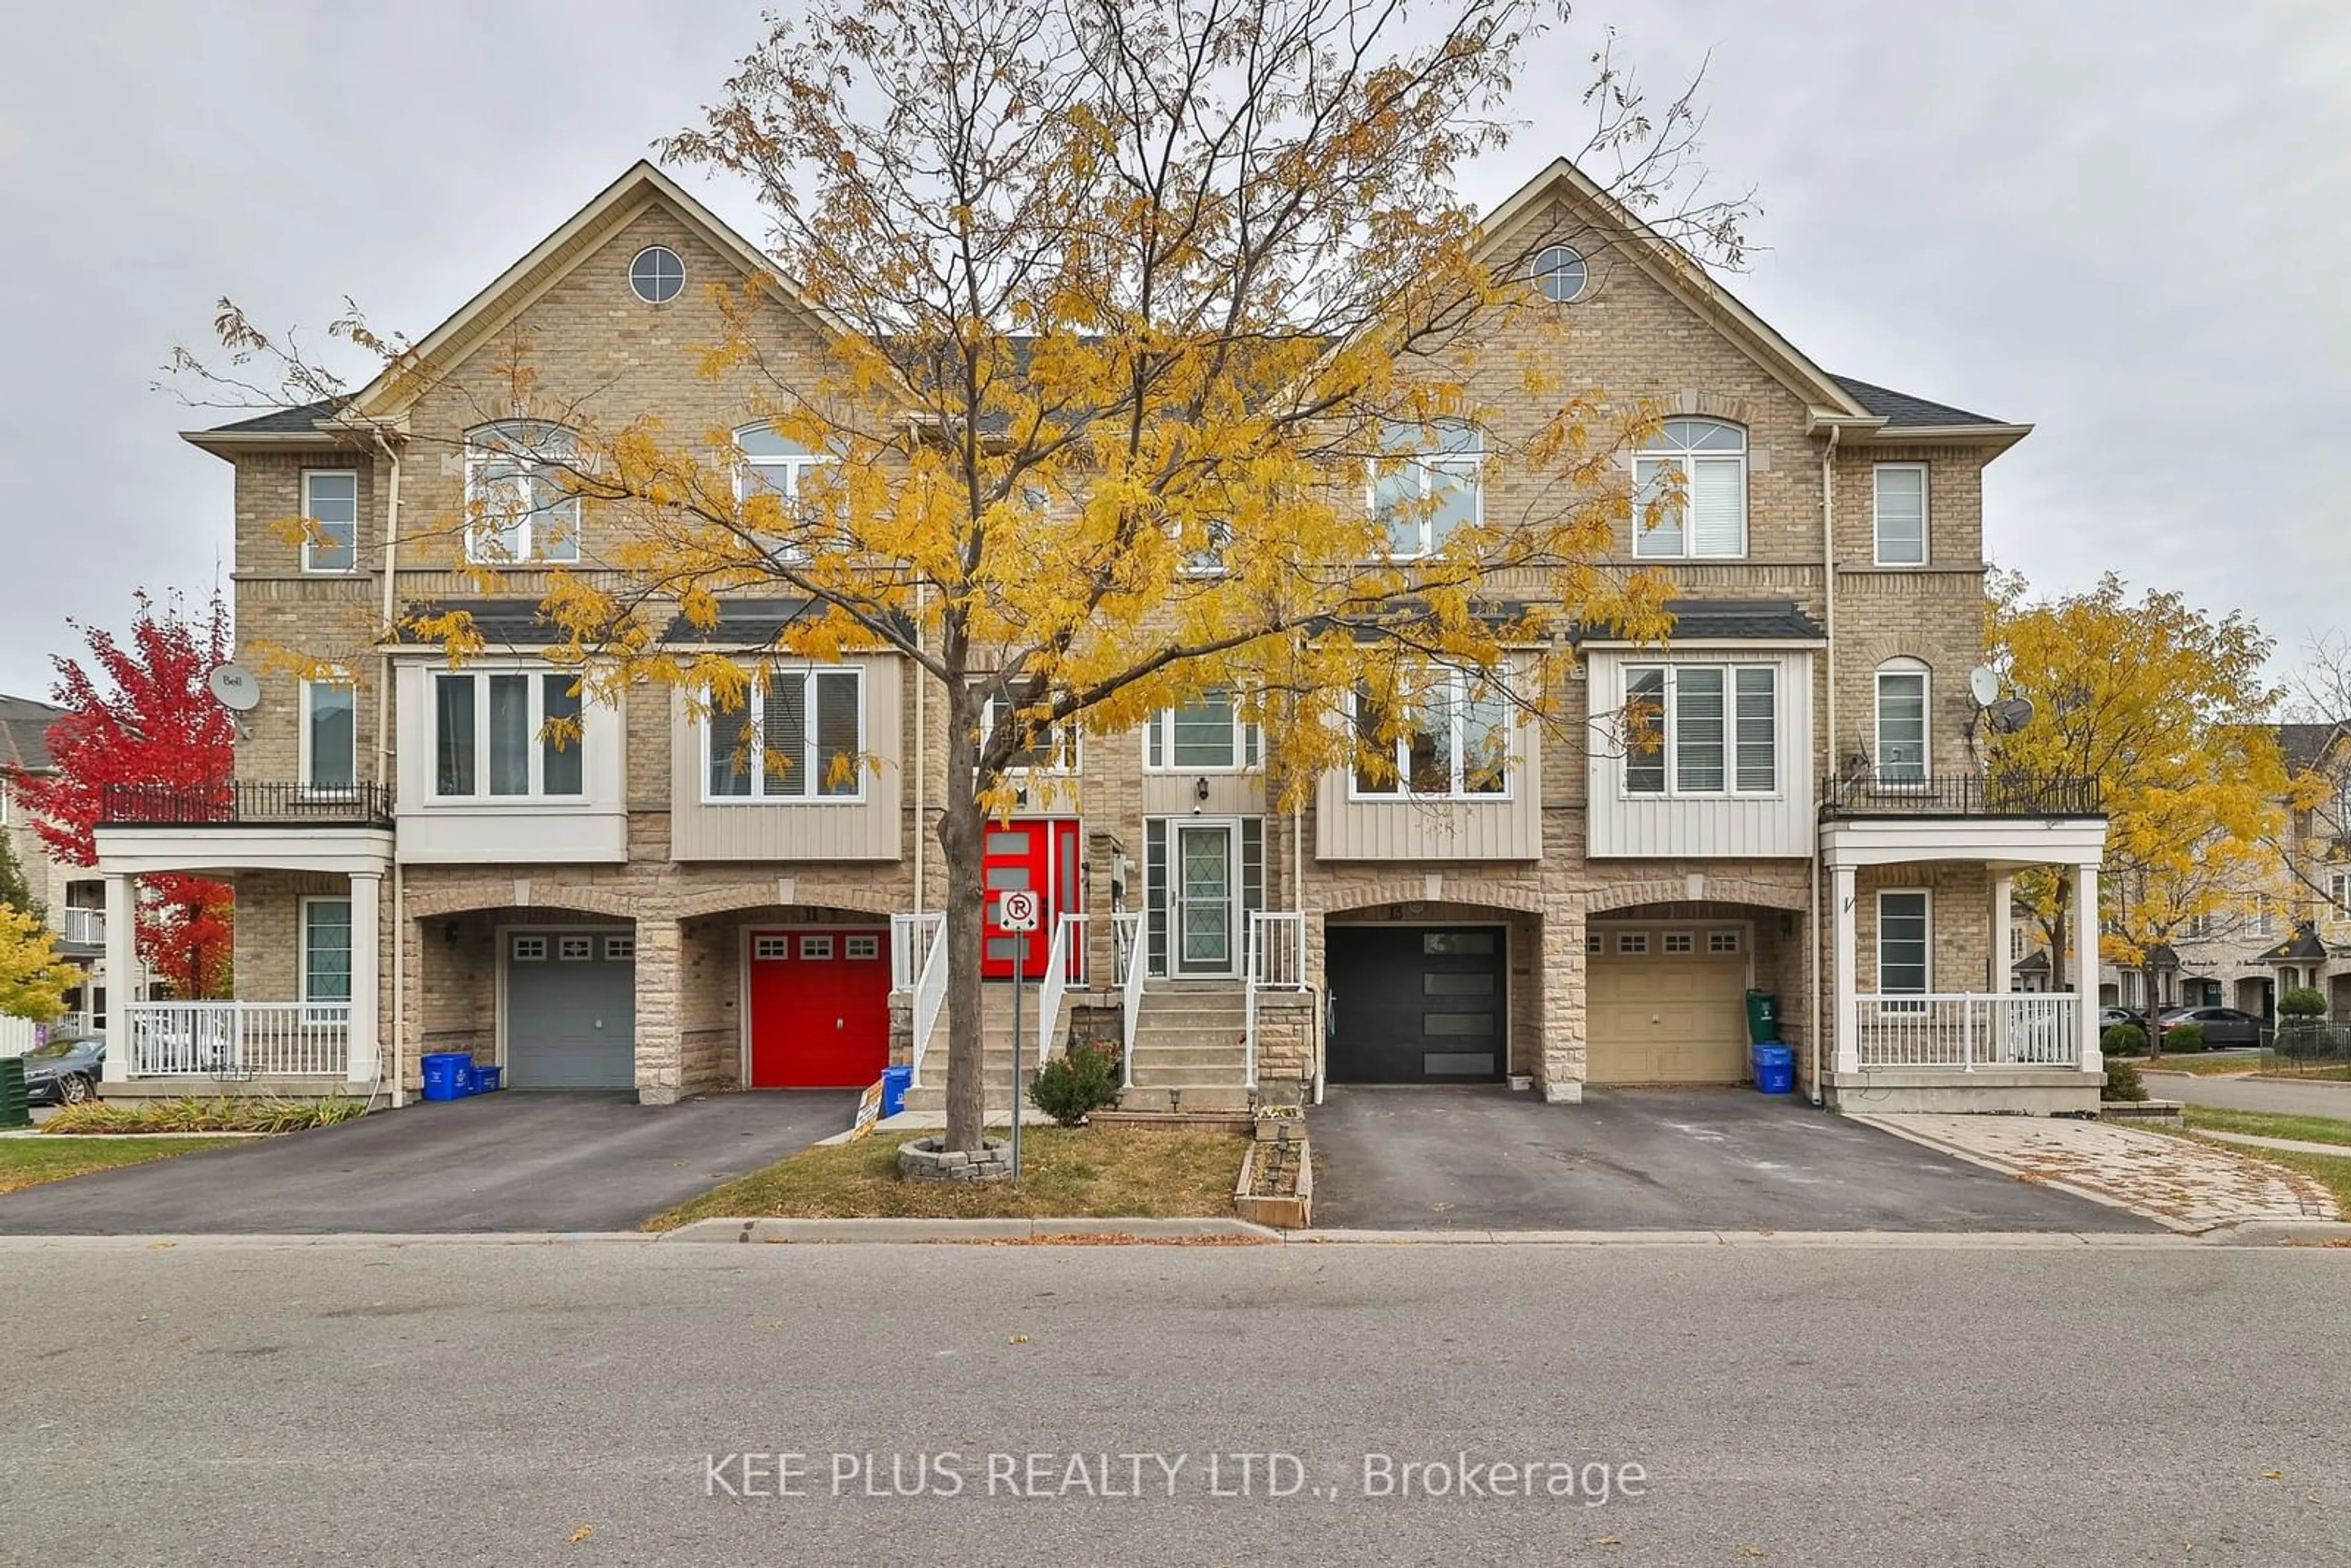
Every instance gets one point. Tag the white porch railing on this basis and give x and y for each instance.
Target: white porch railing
(86, 927)
(1065, 966)
(238, 1039)
(1967, 1029)
(923, 933)
(1126, 944)
(1275, 960)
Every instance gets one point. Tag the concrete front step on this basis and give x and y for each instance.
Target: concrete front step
(1195, 1097)
(1173, 1057)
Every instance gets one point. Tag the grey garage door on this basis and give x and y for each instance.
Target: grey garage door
(1414, 1004)
(571, 1010)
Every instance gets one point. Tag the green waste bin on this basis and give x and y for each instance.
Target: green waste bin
(14, 1111)
(1762, 1017)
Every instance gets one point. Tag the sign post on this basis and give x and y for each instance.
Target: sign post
(1015, 912)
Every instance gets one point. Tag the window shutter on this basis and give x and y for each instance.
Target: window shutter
(1757, 723)
(1698, 730)
(783, 736)
(1718, 505)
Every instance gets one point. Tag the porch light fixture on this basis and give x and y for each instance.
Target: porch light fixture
(1199, 795)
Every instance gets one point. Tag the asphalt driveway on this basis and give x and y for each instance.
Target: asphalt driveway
(1651, 1159)
(512, 1161)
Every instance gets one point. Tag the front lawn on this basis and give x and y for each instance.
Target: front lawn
(27, 1162)
(2202, 1064)
(2267, 1124)
(1118, 1172)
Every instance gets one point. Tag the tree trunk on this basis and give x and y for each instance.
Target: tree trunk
(2154, 1012)
(962, 829)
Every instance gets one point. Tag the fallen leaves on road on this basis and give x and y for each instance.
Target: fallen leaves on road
(1608, 1541)
(583, 1533)
(1017, 1338)
(2272, 1475)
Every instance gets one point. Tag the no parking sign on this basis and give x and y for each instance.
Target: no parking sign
(1017, 911)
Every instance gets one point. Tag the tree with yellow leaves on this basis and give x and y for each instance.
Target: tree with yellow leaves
(33, 980)
(2167, 707)
(1158, 335)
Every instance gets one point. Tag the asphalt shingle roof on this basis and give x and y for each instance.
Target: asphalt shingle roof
(299, 421)
(2303, 948)
(2305, 745)
(1898, 409)
(24, 735)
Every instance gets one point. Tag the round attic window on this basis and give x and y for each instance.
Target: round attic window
(1562, 274)
(657, 276)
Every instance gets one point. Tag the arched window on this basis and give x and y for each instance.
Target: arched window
(1903, 750)
(522, 503)
(1707, 519)
(1428, 482)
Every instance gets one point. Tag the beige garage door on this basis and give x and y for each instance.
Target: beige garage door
(1666, 1004)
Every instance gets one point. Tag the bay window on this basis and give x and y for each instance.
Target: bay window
(1452, 739)
(519, 503)
(1706, 459)
(801, 739)
(1702, 729)
(1205, 735)
(504, 734)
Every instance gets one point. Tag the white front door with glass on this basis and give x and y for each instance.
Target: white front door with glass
(1204, 898)
(1203, 878)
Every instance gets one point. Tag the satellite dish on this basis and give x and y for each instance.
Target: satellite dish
(234, 686)
(2010, 715)
(1984, 682)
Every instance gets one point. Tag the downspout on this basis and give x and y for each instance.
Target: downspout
(382, 772)
(1828, 731)
(922, 761)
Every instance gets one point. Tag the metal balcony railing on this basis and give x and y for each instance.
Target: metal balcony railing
(1879, 794)
(244, 803)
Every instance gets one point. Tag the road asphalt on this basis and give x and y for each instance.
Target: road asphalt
(1921, 1400)
(2314, 1097)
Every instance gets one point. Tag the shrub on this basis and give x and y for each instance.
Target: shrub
(1070, 1086)
(2184, 1037)
(2123, 1040)
(2303, 1002)
(2122, 1080)
(190, 1115)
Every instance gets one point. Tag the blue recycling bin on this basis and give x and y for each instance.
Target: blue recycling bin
(445, 1073)
(895, 1082)
(1775, 1069)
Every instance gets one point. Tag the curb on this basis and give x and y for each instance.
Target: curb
(968, 1230)
(227, 1241)
(2282, 1233)
(66, 1140)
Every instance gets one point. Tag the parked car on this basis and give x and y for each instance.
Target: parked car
(2222, 1026)
(2109, 1017)
(63, 1072)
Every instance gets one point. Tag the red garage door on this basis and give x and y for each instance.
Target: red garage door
(819, 1009)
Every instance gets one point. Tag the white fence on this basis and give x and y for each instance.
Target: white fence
(1065, 967)
(238, 1039)
(1968, 1030)
(1128, 968)
(923, 938)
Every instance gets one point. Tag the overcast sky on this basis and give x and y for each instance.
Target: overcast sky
(2125, 224)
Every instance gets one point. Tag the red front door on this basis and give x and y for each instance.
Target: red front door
(819, 1009)
(1039, 856)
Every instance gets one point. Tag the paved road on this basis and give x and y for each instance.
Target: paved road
(1651, 1159)
(498, 1162)
(231, 1403)
(2316, 1098)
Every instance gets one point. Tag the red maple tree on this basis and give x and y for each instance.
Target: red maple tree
(143, 715)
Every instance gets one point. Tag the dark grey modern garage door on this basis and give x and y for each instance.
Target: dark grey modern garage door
(1416, 1003)
(571, 1010)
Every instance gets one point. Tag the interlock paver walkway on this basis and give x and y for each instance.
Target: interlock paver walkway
(2176, 1181)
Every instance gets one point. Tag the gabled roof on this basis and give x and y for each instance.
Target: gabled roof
(25, 734)
(2303, 948)
(2305, 745)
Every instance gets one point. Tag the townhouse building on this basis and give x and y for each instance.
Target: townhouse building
(421, 865)
(71, 898)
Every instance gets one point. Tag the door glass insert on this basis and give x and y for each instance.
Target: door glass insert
(1205, 896)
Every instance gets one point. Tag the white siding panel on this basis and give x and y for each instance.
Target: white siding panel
(1625, 827)
(872, 829)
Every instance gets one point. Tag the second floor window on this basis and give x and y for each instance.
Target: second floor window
(330, 737)
(802, 738)
(776, 465)
(1902, 750)
(492, 737)
(330, 502)
(1454, 740)
(1702, 729)
(1207, 735)
(1428, 483)
(1900, 505)
(1708, 518)
(2339, 891)
(518, 503)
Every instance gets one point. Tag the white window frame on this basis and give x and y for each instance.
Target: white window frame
(1667, 450)
(310, 515)
(1925, 897)
(2201, 928)
(770, 948)
(2262, 920)
(861, 947)
(2338, 893)
(528, 949)
(1066, 741)
(1687, 940)
(306, 765)
(620, 949)
(575, 949)
(814, 769)
(1723, 944)
(1632, 944)
(817, 948)
(530, 438)
(1468, 463)
(791, 468)
(1668, 754)
(302, 977)
(1460, 684)
(1903, 669)
(535, 795)
(1159, 734)
(1558, 261)
(1877, 514)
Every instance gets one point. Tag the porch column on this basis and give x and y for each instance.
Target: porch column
(2085, 964)
(1845, 968)
(2003, 958)
(366, 1051)
(121, 955)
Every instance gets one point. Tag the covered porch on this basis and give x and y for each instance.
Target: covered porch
(1926, 1015)
(308, 984)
